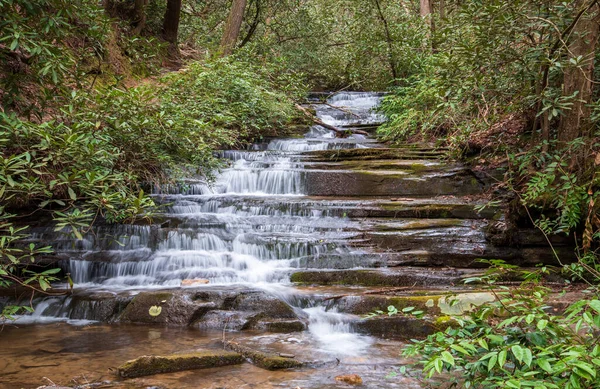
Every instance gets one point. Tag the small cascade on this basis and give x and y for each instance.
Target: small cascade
(253, 226)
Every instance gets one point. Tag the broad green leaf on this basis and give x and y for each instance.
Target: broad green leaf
(595, 305)
(502, 358)
(518, 352)
(544, 364)
(492, 362)
(44, 284)
(448, 358)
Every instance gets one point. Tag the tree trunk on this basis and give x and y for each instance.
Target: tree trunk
(388, 38)
(425, 12)
(425, 9)
(171, 23)
(253, 26)
(139, 16)
(233, 26)
(575, 122)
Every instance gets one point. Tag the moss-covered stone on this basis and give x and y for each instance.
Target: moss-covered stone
(396, 327)
(280, 326)
(457, 182)
(377, 277)
(264, 360)
(149, 365)
(374, 153)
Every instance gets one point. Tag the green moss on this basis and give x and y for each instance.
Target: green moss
(285, 326)
(421, 224)
(149, 365)
(264, 360)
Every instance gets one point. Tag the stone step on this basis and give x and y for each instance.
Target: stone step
(454, 182)
(405, 277)
(366, 154)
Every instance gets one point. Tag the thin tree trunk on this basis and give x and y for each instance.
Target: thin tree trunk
(233, 26)
(442, 6)
(139, 16)
(545, 131)
(171, 24)
(388, 38)
(425, 12)
(575, 122)
(253, 26)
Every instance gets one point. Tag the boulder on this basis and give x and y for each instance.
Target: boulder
(176, 308)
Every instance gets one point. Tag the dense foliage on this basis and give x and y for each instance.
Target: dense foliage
(80, 142)
(514, 80)
(516, 341)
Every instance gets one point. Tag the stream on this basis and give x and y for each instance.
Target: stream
(276, 254)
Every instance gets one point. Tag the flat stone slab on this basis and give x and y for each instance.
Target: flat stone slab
(366, 154)
(264, 360)
(384, 277)
(455, 182)
(150, 364)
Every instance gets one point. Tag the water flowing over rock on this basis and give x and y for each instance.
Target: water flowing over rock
(288, 239)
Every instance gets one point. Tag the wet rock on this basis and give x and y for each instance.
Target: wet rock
(350, 379)
(176, 309)
(268, 306)
(369, 154)
(226, 320)
(249, 310)
(280, 326)
(103, 307)
(397, 327)
(149, 365)
(389, 183)
(384, 277)
(449, 304)
(264, 360)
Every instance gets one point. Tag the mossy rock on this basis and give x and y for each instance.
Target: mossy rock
(373, 153)
(264, 360)
(376, 277)
(280, 326)
(446, 304)
(396, 327)
(149, 365)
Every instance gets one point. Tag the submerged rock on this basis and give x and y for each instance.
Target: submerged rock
(149, 365)
(351, 379)
(264, 360)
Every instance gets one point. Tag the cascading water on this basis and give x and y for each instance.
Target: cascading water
(252, 226)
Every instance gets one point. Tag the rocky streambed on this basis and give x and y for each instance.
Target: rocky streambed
(283, 255)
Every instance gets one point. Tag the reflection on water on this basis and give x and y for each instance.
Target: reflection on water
(70, 355)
